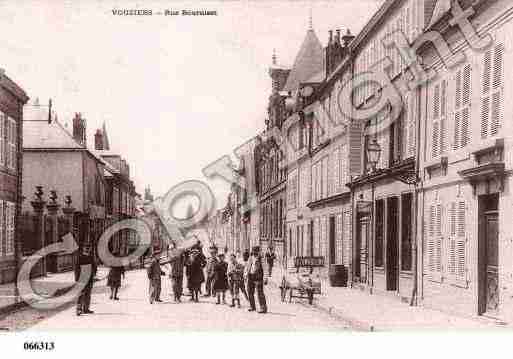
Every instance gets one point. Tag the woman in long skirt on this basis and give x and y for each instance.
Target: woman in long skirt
(114, 281)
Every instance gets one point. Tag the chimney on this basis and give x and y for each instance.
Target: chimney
(330, 39)
(347, 38)
(98, 140)
(337, 37)
(79, 129)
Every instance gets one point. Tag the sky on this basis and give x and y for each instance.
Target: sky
(176, 93)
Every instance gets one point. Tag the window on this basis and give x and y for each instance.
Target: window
(492, 95)
(462, 107)
(406, 232)
(380, 232)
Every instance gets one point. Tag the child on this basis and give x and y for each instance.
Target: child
(221, 279)
(114, 281)
(236, 279)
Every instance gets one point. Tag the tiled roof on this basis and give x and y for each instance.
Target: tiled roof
(309, 61)
(38, 133)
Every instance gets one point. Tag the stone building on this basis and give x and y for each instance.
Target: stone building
(120, 191)
(58, 160)
(12, 99)
(465, 163)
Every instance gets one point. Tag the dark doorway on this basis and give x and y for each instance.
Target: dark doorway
(332, 240)
(392, 244)
(362, 238)
(489, 255)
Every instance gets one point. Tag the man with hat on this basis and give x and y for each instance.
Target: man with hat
(256, 281)
(154, 273)
(86, 258)
(209, 269)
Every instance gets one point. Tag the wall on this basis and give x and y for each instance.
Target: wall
(60, 171)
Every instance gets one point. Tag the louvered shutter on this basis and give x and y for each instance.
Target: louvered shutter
(463, 100)
(443, 116)
(439, 240)
(339, 240)
(9, 247)
(2, 228)
(2, 140)
(436, 122)
(492, 91)
(336, 172)
(323, 244)
(451, 267)
(461, 241)
(326, 176)
(430, 250)
(347, 223)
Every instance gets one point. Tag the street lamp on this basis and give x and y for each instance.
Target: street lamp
(373, 153)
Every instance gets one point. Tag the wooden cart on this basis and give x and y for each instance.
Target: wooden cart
(301, 282)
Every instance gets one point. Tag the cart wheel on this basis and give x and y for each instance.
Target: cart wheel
(310, 297)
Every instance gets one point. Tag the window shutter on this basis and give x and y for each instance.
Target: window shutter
(430, 242)
(436, 122)
(452, 240)
(10, 238)
(2, 141)
(492, 96)
(339, 240)
(466, 102)
(2, 228)
(438, 255)
(457, 113)
(461, 242)
(443, 116)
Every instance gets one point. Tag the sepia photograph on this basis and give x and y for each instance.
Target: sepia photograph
(304, 172)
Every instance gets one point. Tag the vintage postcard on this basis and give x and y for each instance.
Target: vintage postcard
(255, 166)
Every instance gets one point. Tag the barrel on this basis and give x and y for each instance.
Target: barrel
(338, 275)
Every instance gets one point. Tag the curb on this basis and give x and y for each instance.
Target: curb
(336, 314)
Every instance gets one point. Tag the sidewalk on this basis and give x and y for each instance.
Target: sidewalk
(42, 285)
(378, 312)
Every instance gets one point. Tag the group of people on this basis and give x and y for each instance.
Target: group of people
(235, 275)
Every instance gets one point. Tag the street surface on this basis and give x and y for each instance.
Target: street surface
(133, 311)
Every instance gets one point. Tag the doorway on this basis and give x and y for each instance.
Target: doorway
(332, 240)
(392, 244)
(489, 302)
(362, 238)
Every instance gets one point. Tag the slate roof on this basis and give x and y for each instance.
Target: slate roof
(39, 134)
(309, 61)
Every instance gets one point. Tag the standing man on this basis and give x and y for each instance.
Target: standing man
(154, 273)
(209, 269)
(256, 281)
(85, 258)
(269, 258)
(176, 273)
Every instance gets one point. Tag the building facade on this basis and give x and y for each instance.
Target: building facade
(58, 160)
(12, 99)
